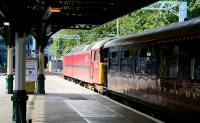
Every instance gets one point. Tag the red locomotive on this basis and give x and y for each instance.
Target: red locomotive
(157, 69)
(84, 65)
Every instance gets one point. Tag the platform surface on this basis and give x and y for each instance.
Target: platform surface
(66, 102)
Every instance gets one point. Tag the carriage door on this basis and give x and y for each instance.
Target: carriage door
(95, 66)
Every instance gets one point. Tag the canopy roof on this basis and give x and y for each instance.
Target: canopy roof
(69, 14)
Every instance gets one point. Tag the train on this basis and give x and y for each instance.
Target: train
(158, 69)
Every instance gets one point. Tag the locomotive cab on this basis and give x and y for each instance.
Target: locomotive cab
(99, 66)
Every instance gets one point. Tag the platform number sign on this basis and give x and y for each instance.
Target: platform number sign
(31, 70)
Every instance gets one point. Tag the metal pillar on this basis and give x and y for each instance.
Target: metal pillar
(41, 77)
(182, 14)
(117, 27)
(53, 59)
(56, 60)
(171, 7)
(9, 79)
(19, 97)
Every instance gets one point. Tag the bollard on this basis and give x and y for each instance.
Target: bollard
(19, 99)
(30, 121)
(41, 84)
(9, 84)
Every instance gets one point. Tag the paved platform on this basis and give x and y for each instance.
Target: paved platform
(66, 102)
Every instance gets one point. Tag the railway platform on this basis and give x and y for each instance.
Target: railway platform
(66, 102)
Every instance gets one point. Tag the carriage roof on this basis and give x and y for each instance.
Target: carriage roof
(176, 31)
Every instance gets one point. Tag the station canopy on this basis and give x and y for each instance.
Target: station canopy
(24, 15)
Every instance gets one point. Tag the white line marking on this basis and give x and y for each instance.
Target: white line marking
(87, 120)
(145, 115)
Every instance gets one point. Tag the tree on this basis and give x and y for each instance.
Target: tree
(137, 21)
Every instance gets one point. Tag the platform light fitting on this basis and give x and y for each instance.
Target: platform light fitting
(53, 9)
(6, 24)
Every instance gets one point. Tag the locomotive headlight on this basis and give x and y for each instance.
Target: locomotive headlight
(148, 54)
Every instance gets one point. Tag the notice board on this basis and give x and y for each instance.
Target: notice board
(31, 70)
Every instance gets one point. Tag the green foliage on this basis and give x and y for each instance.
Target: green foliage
(137, 21)
(194, 8)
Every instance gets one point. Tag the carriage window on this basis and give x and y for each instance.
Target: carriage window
(104, 55)
(197, 70)
(92, 53)
(114, 54)
(125, 53)
(113, 61)
(169, 61)
(189, 63)
(146, 61)
(126, 61)
(97, 56)
(185, 62)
